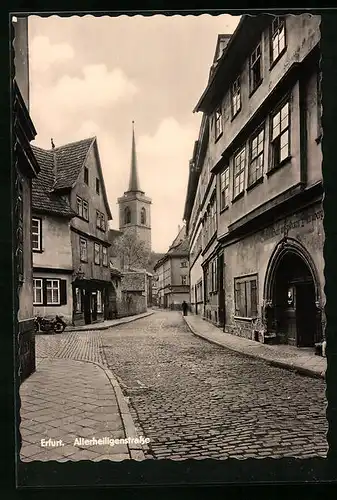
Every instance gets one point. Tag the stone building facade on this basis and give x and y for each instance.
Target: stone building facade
(172, 274)
(72, 274)
(25, 168)
(266, 262)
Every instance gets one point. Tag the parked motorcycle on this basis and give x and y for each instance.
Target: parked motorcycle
(56, 324)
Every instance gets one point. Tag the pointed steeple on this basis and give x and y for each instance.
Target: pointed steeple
(134, 181)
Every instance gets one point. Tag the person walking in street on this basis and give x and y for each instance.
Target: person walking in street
(185, 308)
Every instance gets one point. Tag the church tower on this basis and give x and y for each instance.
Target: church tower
(134, 206)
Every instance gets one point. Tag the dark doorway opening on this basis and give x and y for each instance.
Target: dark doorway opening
(294, 301)
(94, 306)
(86, 307)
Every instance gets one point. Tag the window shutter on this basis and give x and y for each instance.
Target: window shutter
(63, 292)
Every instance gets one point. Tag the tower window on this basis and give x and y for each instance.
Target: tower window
(127, 216)
(143, 216)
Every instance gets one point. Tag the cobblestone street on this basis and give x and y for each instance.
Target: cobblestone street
(194, 399)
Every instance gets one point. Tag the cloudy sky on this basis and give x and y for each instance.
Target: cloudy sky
(93, 76)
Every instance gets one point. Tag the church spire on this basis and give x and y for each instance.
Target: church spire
(134, 181)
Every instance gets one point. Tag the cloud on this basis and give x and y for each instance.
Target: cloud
(43, 54)
(77, 99)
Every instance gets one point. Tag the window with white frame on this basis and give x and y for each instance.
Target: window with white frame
(256, 152)
(224, 183)
(183, 263)
(37, 291)
(104, 256)
(97, 251)
(53, 292)
(236, 96)
(255, 68)
(83, 250)
(184, 280)
(218, 123)
(280, 136)
(99, 301)
(239, 172)
(278, 38)
(36, 235)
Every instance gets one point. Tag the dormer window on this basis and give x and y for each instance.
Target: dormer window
(218, 123)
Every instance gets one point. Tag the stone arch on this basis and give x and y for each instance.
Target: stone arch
(127, 215)
(143, 216)
(289, 245)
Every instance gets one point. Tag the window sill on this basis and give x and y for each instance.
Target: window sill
(277, 59)
(37, 251)
(97, 264)
(279, 166)
(238, 196)
(236, 114)
(224, 209)
(255, 88)
(318, 139)
(218, 137)
(84, 261)
(53, 304)
(243, 318)
(82, 218)
(255, 183)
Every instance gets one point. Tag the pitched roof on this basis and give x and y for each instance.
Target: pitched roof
(43, 197)
(179, 247)
(69, 159)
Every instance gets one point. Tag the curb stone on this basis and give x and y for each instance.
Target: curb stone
(279, 364)
(106, 327)
(135, 450)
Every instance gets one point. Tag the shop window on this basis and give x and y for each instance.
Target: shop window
(99, 301)
(246, 297)
(78, 299)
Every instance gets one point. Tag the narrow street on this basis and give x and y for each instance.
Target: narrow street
(197, 400)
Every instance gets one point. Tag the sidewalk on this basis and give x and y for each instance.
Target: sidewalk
(73, 397)
(104, 325)
(301, 360)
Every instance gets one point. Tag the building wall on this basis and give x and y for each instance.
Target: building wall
(56, 243)
(21, 59)
(303, 33)
(196, 275)
(66, 310)
(177, 271)
(131, 303)
(96, 202)
(26, 290)
(252, 255)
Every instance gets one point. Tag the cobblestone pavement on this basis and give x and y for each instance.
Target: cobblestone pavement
(197, 400)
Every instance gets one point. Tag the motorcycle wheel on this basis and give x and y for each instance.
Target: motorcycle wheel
(59, 327)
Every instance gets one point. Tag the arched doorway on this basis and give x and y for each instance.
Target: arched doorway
(292, 295)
